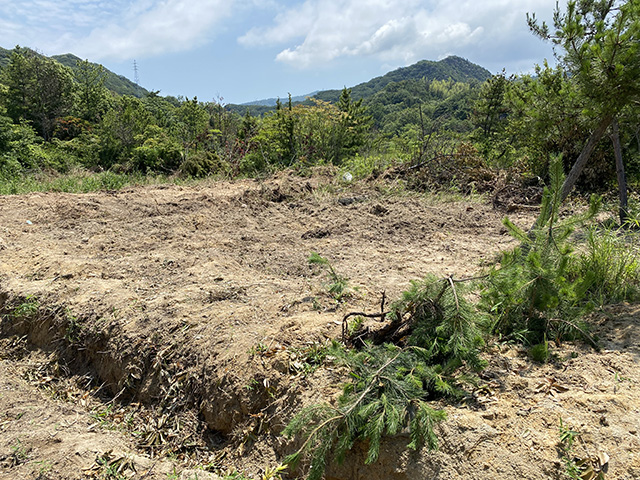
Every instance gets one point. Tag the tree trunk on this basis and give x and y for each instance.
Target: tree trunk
(622, 180)
(577, 168)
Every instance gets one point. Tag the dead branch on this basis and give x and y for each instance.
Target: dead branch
(399, 327)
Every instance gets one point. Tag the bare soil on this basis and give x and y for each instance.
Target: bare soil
(178, 319)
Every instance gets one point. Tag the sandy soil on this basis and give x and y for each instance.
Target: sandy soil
(185, 309)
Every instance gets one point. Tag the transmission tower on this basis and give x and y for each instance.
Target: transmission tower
(135, 73)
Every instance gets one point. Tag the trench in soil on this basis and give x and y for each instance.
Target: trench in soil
(188, 316)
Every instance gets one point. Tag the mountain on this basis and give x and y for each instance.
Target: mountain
(451, 68)
(114, 82)
(271, 102)
(454, 68)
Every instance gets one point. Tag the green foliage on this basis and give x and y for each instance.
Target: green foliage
(421, 102)
(354, 124)
(580, 465)
(491, 118)
(38, 90)
(532, 294)
(69, 127)
(386, 396)
(567, 439)
(162, 109)
(451, 68)
(339, 286)
(610, 262)
(445, 324)
(158, 153)
(490, 108)
(306, 360)
(599, 47)
(600, 44)
(540, 352)
(27, 309)
(202, 164)
(391, 386)
(23, 148)
(73, 182)
(363, 166)
(546, 118)
(116, 84)
(191, 121)
(320, 132)
(121, 130)
(91, 94)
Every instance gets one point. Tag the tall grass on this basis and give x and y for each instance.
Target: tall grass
(610, 262)
(78, 181)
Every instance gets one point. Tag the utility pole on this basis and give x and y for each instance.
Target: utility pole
(136, 80)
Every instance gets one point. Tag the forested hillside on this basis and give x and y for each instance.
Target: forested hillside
(114, 82)
(273, 101)
(452, 118)
(451, 68)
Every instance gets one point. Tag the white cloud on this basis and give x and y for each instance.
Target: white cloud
(152, 29)
(118, 29)
(302, 33)
(292, 24)
(396, 31)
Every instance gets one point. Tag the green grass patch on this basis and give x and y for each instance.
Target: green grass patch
(79, 181)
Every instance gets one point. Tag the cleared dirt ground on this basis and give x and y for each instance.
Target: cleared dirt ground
(181, 319)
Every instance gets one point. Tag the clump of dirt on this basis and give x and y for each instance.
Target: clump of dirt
(186, 320)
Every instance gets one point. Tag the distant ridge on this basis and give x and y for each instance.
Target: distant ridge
(454, 68)
(271, 102)
(114, 82)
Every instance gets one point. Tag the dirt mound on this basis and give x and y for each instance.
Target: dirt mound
(186, 318)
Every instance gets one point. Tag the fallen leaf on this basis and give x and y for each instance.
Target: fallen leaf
(550, 386)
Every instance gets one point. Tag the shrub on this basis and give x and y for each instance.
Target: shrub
(201, 164)
(156, 156)
(534, 293)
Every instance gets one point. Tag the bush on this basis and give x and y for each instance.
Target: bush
(68, 128)
(533, 294)
(155, 156)
(202, 164)
(253, 163)
(543, 288)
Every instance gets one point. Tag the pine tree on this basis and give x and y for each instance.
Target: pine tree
(532, 293)
(600, 48)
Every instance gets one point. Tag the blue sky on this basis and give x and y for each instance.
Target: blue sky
(239, 51)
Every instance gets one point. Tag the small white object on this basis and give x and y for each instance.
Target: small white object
(29, 222)
(347, 177)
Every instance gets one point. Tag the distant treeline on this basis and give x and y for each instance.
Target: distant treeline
(62, 114)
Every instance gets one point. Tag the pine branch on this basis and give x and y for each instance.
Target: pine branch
(342, 415)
